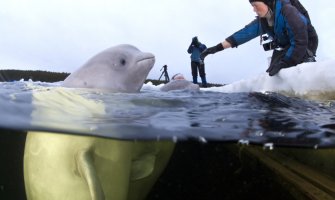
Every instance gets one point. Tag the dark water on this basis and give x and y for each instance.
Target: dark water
(268, 119)
(196, 171)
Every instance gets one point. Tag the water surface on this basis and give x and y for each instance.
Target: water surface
(265, 118)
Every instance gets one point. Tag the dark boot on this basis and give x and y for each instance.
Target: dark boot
(204, 82)
(195, 80)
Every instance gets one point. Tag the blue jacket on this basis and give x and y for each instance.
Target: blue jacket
(291, 30)
(195, 51)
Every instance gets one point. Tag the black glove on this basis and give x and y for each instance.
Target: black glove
(211, 50)
(276, 67)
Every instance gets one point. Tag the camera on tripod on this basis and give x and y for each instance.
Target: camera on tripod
(269, 45)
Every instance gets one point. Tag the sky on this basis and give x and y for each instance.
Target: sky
(61, 35)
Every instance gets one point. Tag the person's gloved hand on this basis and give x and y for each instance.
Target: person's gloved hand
(211, 50)
(276, 67)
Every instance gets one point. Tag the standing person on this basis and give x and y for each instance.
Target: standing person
(286, 22)
(195, 49)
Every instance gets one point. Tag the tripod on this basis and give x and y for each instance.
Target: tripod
(165, 73)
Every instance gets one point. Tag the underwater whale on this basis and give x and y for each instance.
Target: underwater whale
(64, 166)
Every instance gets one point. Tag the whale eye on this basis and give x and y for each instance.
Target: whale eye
(123, 61)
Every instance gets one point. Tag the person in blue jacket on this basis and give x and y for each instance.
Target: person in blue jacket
(195, 49)
(287, 24)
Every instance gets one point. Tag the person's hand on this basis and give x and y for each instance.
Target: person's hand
(276, 67)
(211, 50)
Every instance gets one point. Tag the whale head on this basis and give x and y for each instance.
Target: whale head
(122, 68)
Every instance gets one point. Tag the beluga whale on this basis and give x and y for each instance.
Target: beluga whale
(178, 82)
(77, 167)
(122, 68)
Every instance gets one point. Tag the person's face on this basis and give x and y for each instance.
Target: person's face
(260, 8)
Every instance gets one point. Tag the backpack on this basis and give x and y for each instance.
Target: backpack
(300, 8)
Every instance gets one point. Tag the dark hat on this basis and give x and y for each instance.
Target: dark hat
(267, 2)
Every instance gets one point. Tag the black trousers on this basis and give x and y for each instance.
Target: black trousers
(195, 67)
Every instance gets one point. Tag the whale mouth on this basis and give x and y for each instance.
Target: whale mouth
(146, 59)
(143, 60)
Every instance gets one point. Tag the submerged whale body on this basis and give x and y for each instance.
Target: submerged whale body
(63, 166)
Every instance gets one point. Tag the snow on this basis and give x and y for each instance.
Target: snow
(306, 79)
